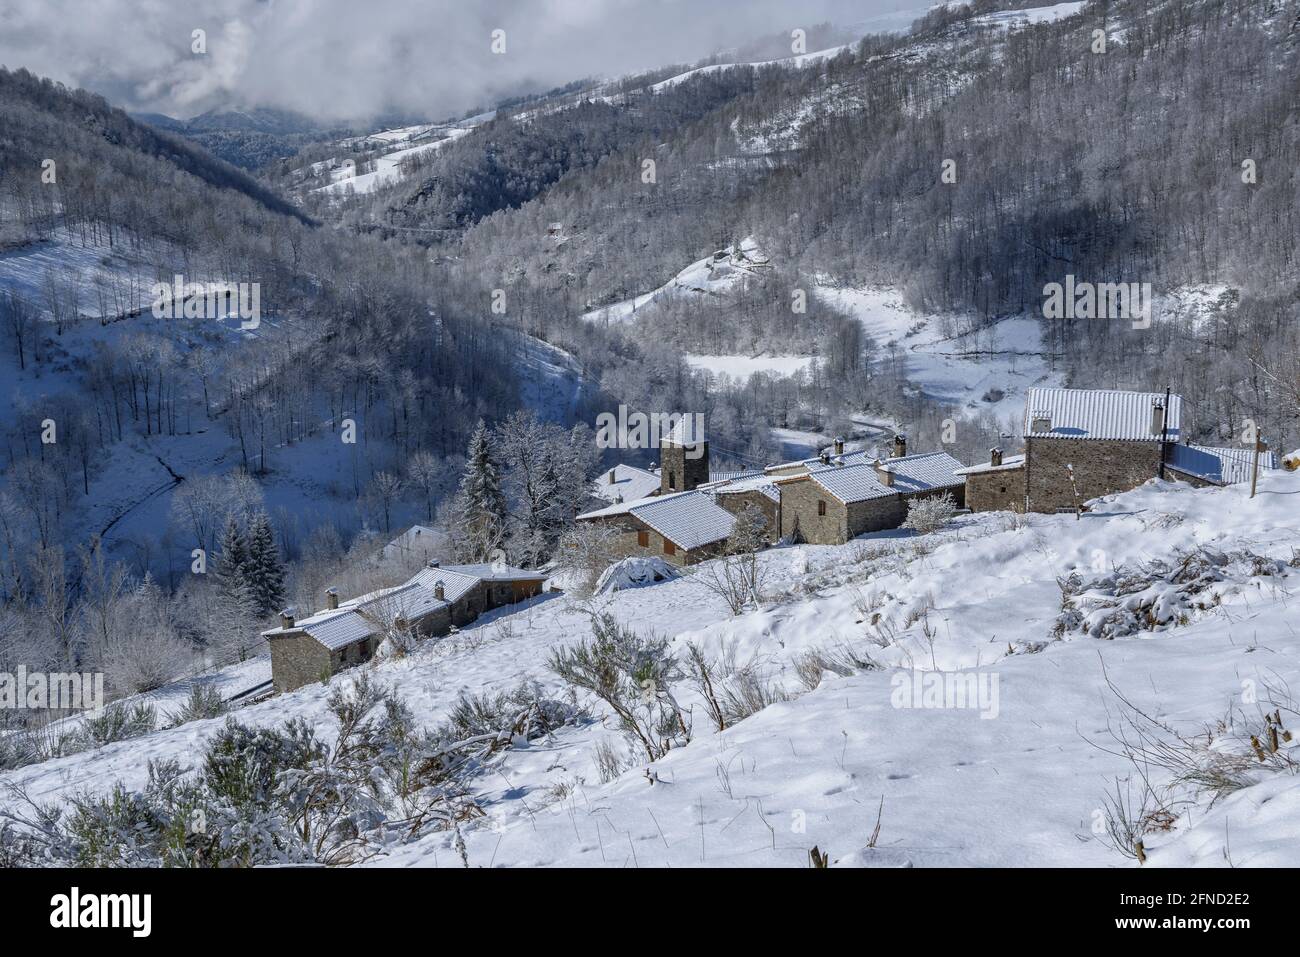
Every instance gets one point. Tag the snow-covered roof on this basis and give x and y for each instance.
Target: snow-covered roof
(687, 519)
(688, 430)
(924, 472)
(853, 483)
(722, 475)
(493, 573)
(1099, 414)
(356, 618)
(761, 483)
(1009, 463)
(630, 484)
(1225, 466)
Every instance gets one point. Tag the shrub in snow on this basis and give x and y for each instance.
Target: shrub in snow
(740, 576)
(634, 676)
(525, 708)
(1156, 595)
(119, 722)
(633, 573)
(926, 515)
(205, 701)
(281, 795)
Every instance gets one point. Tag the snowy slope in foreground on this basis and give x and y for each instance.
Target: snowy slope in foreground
(1020, 781)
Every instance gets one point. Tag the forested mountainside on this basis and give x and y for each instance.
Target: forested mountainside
(251, 139)
(870, 226)
(1162, 149)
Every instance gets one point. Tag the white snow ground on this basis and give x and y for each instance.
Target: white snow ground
(1018, 781)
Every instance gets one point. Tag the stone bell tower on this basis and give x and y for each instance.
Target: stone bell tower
(684, 456)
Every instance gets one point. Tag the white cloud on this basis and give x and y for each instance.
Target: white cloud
(344, 59)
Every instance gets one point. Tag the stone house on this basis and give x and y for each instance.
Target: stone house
(428, 605)
(1081, 444)
(833, 503)
(683, 528)
(997, 485)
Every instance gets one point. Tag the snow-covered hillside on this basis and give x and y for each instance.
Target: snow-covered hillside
(874, 765)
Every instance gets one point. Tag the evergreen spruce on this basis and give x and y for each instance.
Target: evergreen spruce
(263, 569)
(480, 511)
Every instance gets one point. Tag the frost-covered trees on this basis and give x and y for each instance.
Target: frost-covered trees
(479, 516)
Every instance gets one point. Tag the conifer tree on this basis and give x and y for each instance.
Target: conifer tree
(263, 569)
(479, 516)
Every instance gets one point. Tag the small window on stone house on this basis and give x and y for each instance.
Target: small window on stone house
(643, 539)
(672, 480)
(1003, 489)
(821, 506)
(669, 548)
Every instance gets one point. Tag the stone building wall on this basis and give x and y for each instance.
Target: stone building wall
(678, 472)
(800, 518)
(737, 502)
(298, 660)
(1001, 491)
(1101, 467)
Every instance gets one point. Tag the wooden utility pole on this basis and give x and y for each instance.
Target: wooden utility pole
(1260, 446)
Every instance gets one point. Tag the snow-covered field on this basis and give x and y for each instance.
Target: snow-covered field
(1019, 777)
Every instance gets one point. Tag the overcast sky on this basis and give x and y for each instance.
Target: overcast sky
(351, 59)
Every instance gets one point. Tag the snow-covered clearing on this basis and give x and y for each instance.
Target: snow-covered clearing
(742, 367)
(989, 369)
(726, 271)
(1016, 19)
(1019, 777)
(388, 167)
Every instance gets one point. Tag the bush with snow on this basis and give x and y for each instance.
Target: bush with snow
(1159, 594)
(926, 515)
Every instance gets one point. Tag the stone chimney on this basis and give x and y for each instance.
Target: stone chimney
(1158, 417)
(433, 563)
(839, 445)
(286, 618)
(900, 446)
(995, 456)
(332, 598)
(612, 476)
(825, 457)
(885, 476)
(439, 592)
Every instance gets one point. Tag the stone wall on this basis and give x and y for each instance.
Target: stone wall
(737, 502)
(876, 515)
(1001, 491)
(298, 660)
(678, 472)
(1101, 467)
(800, 520)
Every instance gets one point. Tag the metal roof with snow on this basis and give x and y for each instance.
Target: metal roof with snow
(1223, 466)
(687, 519)
(1099, 414)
